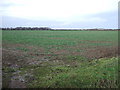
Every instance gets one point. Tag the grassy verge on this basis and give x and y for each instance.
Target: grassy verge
(99, 73)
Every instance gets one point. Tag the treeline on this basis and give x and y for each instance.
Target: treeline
(86, 29)
(47, 28)
(27, 28)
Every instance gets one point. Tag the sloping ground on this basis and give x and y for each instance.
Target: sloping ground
(23, 68)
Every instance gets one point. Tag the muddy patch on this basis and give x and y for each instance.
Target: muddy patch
(14, 60)
(59, 52)
(16, 84)
(11, 63)
(101, 52)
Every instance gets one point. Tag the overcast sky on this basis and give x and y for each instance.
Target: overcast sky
(60, 13)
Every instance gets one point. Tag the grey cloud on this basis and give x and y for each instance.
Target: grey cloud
(111, 17)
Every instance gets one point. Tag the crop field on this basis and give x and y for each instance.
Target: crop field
(60, 59)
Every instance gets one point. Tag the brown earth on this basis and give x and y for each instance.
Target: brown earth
(16, 59)
(101, 52)
(11, 60)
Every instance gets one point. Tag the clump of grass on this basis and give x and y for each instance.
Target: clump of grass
(7, 69)
(6, 76)
(23, 49)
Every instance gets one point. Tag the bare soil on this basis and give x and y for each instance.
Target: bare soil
(16, 59)
(101, 52)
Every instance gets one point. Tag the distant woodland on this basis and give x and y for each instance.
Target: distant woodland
(48, 28)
